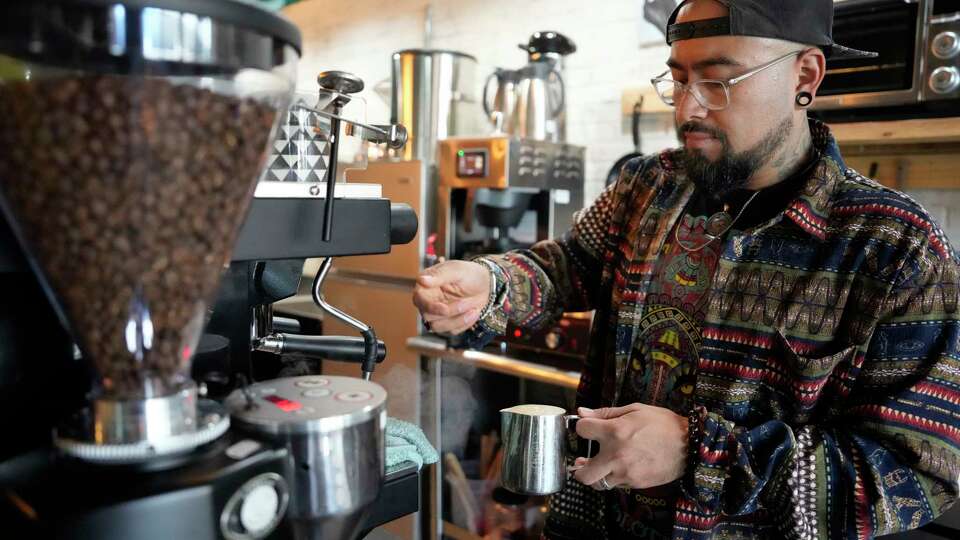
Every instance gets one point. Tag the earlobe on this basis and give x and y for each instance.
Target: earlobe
(812, 71)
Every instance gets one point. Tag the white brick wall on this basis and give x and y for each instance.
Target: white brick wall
(616, 49)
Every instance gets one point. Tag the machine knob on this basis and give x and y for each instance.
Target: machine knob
(340, 82)
(945, 79)
(553, 339)
(259, 508)
(255, 510)
(946, 45)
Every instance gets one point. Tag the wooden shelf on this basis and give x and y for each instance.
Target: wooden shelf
(904, 154)
(929, 130)
(652, 104)
(925, 130)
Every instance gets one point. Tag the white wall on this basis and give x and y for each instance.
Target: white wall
(616, 49)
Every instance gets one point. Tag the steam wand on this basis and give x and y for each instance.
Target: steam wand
(370, 342)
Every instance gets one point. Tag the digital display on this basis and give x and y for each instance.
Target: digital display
(472, 163)
(283, 404)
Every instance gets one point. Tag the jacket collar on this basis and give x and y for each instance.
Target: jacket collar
(810, 210)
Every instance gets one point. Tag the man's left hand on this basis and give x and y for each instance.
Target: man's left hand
(640, 446)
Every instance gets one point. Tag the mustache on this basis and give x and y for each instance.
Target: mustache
(695, 127)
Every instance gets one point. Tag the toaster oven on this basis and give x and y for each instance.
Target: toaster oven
(918, 67)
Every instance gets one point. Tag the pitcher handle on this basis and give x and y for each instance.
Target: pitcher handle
(486, 85)
(567, 418)
(563, 98)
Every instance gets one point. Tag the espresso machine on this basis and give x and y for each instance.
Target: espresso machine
(133, 138)
(502, 193)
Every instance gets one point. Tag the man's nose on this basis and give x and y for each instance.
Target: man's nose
(688, 108)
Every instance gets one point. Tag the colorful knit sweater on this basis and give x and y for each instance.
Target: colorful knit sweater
(828, 380)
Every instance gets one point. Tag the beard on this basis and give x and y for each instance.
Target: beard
(731, 171)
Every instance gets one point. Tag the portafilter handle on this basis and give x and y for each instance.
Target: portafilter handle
(340, 348)
(368, 351)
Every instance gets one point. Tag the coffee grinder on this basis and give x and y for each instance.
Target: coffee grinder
(133, 138)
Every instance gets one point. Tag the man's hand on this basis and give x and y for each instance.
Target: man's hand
(451, 295)
(640, 446)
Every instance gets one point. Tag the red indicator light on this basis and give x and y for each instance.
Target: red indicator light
(284, 405)
(517, 333)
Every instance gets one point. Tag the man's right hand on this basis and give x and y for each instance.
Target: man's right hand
(451, 295)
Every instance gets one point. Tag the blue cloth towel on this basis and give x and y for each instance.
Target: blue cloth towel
(407, 443)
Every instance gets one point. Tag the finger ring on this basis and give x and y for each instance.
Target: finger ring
(604, 485)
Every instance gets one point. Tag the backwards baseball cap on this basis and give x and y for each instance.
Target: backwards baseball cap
(801, 21)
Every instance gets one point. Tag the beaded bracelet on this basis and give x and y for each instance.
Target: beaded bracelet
(493, 299)
(694, 436)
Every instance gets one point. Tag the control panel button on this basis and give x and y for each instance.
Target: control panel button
(313, 382)
(945, 79)
(946, 45)
(316, 392)
(354, 396)
(259, 508)
(242, 449)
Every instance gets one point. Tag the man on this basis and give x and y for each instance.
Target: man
(775, 345)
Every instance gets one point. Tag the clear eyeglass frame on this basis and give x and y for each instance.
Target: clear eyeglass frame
(711, 94)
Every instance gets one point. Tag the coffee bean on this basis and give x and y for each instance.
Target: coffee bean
(129, 192)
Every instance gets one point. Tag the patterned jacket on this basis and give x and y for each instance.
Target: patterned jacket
(828, 380)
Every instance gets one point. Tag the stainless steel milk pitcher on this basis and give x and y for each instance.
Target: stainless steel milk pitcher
(535, 448)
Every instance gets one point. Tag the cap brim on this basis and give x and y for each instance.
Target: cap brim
(839, 52)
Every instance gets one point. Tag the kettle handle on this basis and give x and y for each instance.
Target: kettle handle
(559, 108)
(486, 86)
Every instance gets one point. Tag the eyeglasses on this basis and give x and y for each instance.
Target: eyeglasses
(712, 94)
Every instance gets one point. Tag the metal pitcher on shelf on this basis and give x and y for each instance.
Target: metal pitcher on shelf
(499, 107)
(539, 108)
(530, 102)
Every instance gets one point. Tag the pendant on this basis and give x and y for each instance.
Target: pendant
(718, 224)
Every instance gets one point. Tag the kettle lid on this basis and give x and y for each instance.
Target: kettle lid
(549, 41)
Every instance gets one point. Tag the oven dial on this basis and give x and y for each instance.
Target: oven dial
(946, 45)
(945, 79)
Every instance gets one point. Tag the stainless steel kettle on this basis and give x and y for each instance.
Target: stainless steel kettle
(538, 111)
(530, 102)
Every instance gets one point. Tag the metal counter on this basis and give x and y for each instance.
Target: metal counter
(437, 348)
(433, 353)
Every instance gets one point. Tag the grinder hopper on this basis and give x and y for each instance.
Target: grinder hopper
(127, 165)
